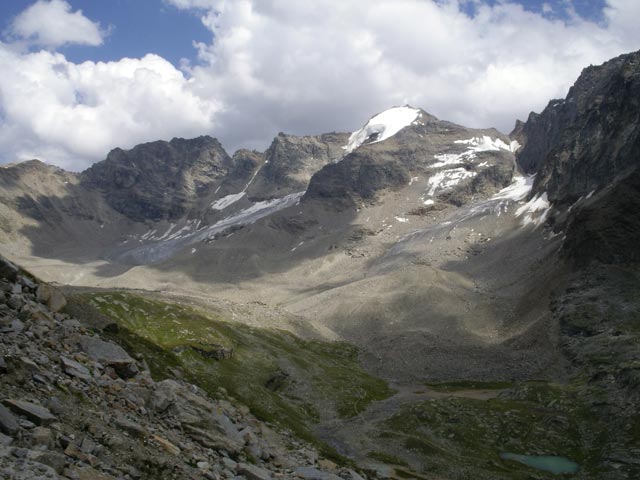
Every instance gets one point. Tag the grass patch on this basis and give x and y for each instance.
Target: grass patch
(282, 378)
(467, 385)
(535, 418)
(387, 458)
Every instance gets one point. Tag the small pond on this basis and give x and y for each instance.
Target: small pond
(548, 463)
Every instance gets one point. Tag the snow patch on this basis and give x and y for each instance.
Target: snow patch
(447, 179)
(402, 219)
(224, 202)
(485, 144)
(535, 211)
(474, 146)
(382, 126)
(518, 190)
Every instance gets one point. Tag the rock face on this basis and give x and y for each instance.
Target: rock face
(584, 142)
(585, 152)
(291, 161)
(391, 164)
(160, 180)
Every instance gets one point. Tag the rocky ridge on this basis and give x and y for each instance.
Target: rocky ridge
(77, 406)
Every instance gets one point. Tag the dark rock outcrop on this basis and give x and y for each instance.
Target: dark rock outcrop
(291, 161)
(591, 138)
(159, 180)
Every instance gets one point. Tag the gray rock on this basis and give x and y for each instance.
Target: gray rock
(8, 423)
(310, 473)
(55, 406)
(41, 436)
(75, 369)
(109, 354)
(55, 460)
(132, 428)
(36, 413)
(252, 472)
(5, 439)
(16, 302)
(26, 282)
(229, 463)
(52, 297)
(352, 475)
(87, 445)
(8, 270)
(206, 424)
(87, 473)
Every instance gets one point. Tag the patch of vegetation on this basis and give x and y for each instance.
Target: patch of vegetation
(283, 379)
(387, 458)
(452, 435)
(468, 385)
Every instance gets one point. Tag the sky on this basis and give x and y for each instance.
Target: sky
(81, 77)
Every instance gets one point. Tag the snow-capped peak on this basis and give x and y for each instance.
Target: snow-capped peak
(383, 126)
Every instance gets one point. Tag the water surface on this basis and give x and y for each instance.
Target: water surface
(548, 463)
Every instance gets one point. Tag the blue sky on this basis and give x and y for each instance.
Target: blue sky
(81, 77)
(136, 27)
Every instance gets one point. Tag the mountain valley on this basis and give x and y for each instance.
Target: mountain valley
(416, 299)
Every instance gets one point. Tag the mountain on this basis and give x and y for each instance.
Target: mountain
(423, 297)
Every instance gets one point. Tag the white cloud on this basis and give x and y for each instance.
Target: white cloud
(73, 114)
(53, 23)
(306, 67)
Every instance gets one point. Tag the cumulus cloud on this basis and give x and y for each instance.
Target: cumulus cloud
(52, 23)
(73, 114)
(307, 67)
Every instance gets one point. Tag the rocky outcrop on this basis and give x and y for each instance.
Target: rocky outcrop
(160, 180)
(585, 152)
(389, 165)
(606, 227)
(75, 406)
(291, 161)
(359, 177)
(591, 138)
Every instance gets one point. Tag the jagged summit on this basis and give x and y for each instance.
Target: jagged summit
(382, 126)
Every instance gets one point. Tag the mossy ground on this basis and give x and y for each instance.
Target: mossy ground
(464, 436)
(283, 379)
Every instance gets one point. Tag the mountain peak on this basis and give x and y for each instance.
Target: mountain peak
(384, 125)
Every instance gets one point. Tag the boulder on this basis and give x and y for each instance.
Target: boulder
(88, 473)
(52, 297)
(5, 439)
(252, 472)
(8, 423)
(36, 413)
(310, 473)
(8, 270)
(109, 354)
(132, 428)
(206, 423)
(75, 369)
(166, 445)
